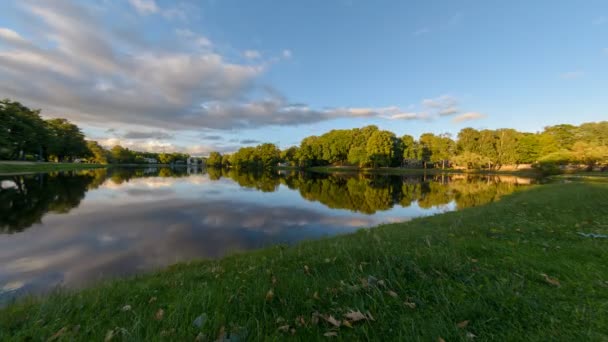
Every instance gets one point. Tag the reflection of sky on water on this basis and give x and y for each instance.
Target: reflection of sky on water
(147, 223)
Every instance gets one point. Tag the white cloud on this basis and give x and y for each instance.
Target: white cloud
(144, 7)
(193, 38)
(571, 75)
(11, 36)
(286, 53)
(252, 54)
(468, 117)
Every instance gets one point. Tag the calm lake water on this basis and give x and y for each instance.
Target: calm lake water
(74, 228)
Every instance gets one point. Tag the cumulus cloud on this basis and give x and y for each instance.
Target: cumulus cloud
(442, 105)
(250, 141)
(144, 6)
(468, 117)
(252, 54)
(90, 73)
(148, 135)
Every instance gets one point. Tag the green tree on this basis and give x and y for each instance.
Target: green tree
(380, 148)
(214, 159)
(66, 141)
(99, 155)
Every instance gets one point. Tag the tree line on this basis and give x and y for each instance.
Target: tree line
(369, 146)
(25, 135)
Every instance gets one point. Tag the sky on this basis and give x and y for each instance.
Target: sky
(216, 75)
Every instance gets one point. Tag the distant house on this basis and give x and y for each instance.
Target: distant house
(193, 161)
(286, 164)
(150, 160)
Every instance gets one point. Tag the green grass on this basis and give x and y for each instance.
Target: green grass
(407, 171)
(477, 272)
(28, 167)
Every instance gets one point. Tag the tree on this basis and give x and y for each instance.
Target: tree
(98, 154)
(528, 148)
(121, 155)
(468, 140)
(409, 146)
(66, 141)
(22, 131)
(226, 160)
(380, 148)
(214, 159)
(506, 146)
(487, 147)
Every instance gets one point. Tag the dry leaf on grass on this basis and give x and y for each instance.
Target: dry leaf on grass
(58, 334)
(109, 336)
(410, 305)
(269, 295)
(126, 308)
(549, 280)
(159, 314)
(463, 324)
(330, 334)
(392, 293)
(283, 328)
(332, 321)
(355, 316)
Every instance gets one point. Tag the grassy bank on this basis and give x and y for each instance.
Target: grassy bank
(10, 167)
(512, 270)
(406, 171)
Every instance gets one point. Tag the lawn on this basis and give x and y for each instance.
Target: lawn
(513, 270)
(11, 167)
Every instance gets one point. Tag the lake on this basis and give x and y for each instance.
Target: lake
(72, 229)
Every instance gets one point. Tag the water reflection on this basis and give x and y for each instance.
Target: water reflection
(73, 228)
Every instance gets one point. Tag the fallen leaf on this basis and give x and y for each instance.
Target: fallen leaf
(392, 294)
(200, 321)
(283, 328)
(470, 335)
(109, 336)
(300, 321)
(58, 334)
(332, 321)
(463, 324)
(152, 300)
(346, 323)
(269, 295)
(474, 260)
(410, 305)
(552, 281)
(439, 339)
(159, 314)
(126, 308)
(381, 283)
(316, 295)
(355, 316)
(330, 334)
(306, 269)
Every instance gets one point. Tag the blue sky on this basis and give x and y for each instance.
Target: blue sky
(216, 75)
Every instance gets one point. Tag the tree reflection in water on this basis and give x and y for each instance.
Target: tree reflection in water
(25, 199)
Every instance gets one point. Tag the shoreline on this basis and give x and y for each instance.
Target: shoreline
(421, 279)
